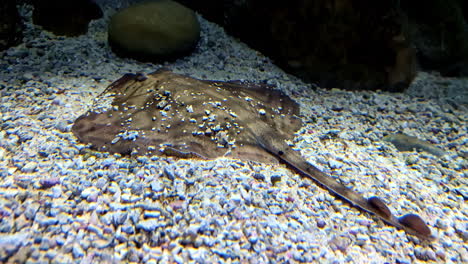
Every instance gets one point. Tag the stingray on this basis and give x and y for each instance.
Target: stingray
(165, 113)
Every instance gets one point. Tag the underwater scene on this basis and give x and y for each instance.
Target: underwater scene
(233, 132)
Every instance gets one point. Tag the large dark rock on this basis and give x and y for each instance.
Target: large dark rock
(440, 34)
(10, 25)
(154, 31)
(354, 44)
(69, 18)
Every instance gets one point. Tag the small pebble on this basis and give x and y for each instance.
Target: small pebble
(49, 182)
(29, 167)
(321, 223)
(150, 225)
(259, 176)
(31, 211)
(119, 217)
(77, 251)
(89, 191)
(275, 179)
(128, 229)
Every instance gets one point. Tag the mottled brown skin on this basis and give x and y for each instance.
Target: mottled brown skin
(232, 105)
(170, 114)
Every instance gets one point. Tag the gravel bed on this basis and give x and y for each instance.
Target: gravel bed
(62, 203)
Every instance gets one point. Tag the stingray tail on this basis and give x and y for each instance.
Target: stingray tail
(411, 223)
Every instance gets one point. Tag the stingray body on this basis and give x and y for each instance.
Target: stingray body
(165, 113)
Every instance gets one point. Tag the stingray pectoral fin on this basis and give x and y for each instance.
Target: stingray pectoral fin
(411, 223)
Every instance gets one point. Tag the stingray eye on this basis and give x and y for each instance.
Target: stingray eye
(280, 153)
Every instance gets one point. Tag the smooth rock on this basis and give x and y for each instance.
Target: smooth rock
(154, 31)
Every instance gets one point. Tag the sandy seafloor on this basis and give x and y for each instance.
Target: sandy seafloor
(64, 204)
